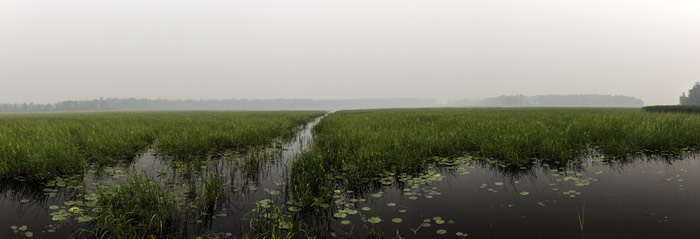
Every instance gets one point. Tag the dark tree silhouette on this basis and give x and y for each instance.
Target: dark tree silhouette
(693, 97)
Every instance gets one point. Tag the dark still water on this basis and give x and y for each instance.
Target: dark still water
(643, 198)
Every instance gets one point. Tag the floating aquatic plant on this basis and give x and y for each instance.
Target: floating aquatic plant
(374, 220)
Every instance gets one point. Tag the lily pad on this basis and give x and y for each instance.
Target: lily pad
(374, 220)
(265, 203)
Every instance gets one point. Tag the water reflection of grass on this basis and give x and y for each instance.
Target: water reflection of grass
(17, 191)
(581, 218)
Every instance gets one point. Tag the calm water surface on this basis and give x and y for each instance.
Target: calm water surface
(646, 198)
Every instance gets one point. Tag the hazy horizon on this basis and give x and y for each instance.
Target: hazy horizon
(51, 51)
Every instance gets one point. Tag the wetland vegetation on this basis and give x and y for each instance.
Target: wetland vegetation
(394, 173)
(363, 144)
(358, 154)
(79, 166)
(42, 146)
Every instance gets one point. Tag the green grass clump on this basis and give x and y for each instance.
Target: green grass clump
(42, 146)
(357, 145)
(213, 190)
(136, 209)
(28, 149)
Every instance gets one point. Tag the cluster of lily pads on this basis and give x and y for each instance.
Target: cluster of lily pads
(22, 231)
(349, 207)
(345, 208)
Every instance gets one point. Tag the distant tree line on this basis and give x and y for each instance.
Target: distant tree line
(588, 100)
(117, 104)
(89, 105)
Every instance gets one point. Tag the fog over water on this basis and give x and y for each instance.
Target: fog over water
(52, 51)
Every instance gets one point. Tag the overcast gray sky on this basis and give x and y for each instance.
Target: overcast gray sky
(59, 50)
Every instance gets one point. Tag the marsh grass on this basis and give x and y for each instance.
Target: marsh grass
(201, 155)
(28, 150)
(213, 191)
(42, 146)
(136, 209)
(156, 207)
(362, 144)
